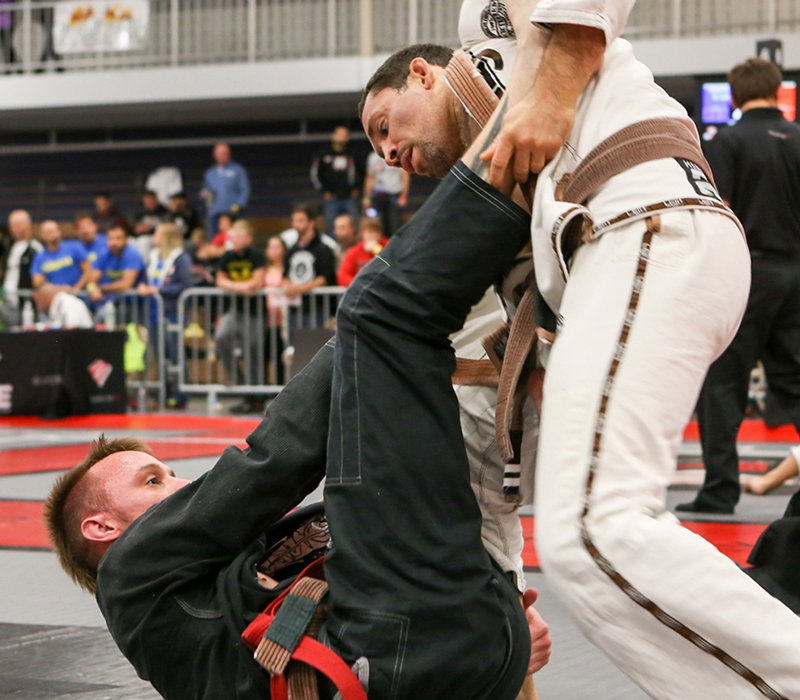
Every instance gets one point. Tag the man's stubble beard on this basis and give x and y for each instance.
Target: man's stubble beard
(439, 159)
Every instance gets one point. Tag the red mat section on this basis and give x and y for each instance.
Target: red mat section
(734, 540)
(752, 431)
(744, 467)
(47, 459)
(21, 524)
(134, 421)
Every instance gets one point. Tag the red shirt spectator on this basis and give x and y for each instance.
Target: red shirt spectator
(372, 242)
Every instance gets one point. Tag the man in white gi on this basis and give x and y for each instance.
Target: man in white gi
(652, 295)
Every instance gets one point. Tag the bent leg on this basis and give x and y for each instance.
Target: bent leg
(412, 587)
(643, 319)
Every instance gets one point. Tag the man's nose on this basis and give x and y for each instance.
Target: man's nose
(391, 152)
(177, 484)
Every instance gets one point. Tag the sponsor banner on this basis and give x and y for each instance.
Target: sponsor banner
(62, 373)
(88, 27)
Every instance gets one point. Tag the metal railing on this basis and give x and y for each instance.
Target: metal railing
(148, 321)
(231, 344)
(191, 32)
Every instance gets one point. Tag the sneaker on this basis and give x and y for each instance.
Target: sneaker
(247, 405)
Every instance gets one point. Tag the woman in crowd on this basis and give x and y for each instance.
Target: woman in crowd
(276, 302)
(169, 272)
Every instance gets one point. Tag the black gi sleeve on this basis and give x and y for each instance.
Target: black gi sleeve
(209, 522)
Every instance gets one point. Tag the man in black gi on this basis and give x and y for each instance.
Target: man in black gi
(412, 589)
(756, 164)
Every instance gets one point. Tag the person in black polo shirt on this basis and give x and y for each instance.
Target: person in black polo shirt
(242, 270)
(756, 164)
(309, 264)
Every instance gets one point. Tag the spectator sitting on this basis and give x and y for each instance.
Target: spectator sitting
(344, 228)
(242, 270)
(276, 302)
(18, 261)
(290, 236)
(64, 310)
(226, 188)
(118, 269)
(147, 217)
(94, 242)
(183, 216)
(221, 243)
(372, 242)
(169, 272)
(774, 478)
(62, 263)
(309, 264)
(106, 215)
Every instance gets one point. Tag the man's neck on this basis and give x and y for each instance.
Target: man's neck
(306, 237)
(759, 104)
(53, 247)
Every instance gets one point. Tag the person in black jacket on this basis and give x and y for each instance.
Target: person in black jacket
(17, 264)
(338, 173)
(756, 164)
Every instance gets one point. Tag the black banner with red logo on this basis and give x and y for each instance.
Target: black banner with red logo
(62, 373)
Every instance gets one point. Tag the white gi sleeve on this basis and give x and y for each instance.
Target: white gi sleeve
(608, 15)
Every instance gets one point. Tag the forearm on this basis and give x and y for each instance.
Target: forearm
(573, 55)
(317, 282)
(609, 17)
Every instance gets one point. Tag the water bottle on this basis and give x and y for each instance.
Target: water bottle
(28, 317)
(110, 315)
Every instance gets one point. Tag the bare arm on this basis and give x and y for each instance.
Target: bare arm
(121, 285)
(87, 273)
(541, 121)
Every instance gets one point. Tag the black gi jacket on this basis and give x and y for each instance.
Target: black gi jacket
(179, 587)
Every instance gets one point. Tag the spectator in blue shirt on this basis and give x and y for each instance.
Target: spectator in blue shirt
(62, 263)
(94, 242)
(226, 188)
(118, 269)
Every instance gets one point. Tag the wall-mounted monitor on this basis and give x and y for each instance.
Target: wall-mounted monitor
(716, 102)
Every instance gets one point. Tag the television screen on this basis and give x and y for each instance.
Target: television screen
(716, 102)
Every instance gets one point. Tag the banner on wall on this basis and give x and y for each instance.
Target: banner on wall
(88, 27)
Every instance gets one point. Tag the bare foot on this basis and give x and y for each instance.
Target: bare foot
(759, 485)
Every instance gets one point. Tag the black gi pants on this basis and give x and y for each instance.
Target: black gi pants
(770, 332)
(412, 587)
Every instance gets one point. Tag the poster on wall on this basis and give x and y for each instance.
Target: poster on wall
(88, 27)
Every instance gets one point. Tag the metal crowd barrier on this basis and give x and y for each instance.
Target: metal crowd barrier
(235, 347)
(148, 321)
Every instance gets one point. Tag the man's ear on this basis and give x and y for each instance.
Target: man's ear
(420, 70)
(101, 527)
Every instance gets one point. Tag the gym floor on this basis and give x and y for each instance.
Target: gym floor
(53, 641)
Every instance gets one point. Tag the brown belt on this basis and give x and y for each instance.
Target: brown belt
(653, 139)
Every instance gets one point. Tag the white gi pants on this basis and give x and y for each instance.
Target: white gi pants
(641, 324)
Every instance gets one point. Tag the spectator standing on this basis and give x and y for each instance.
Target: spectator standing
(17, 273)
(276, 303)
(64, 310)
(336, 173)
(386, 190)
(344, 228)
(93, 241)
(242, 270)
(62, 263)
(119, 269)
(150, 214)
(169, 272)
(183, 216)
(106, 215)
(309, 264)
(226, 188)
(372, 242)
(756, 165)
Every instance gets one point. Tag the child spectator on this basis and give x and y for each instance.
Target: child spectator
(372, 242)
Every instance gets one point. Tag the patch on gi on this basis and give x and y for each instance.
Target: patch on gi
(698, 180)
(495, 23)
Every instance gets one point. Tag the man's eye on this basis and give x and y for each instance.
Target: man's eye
(152, 480)
(382, 129)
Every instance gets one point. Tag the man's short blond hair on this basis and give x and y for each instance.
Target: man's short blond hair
(74, 497)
